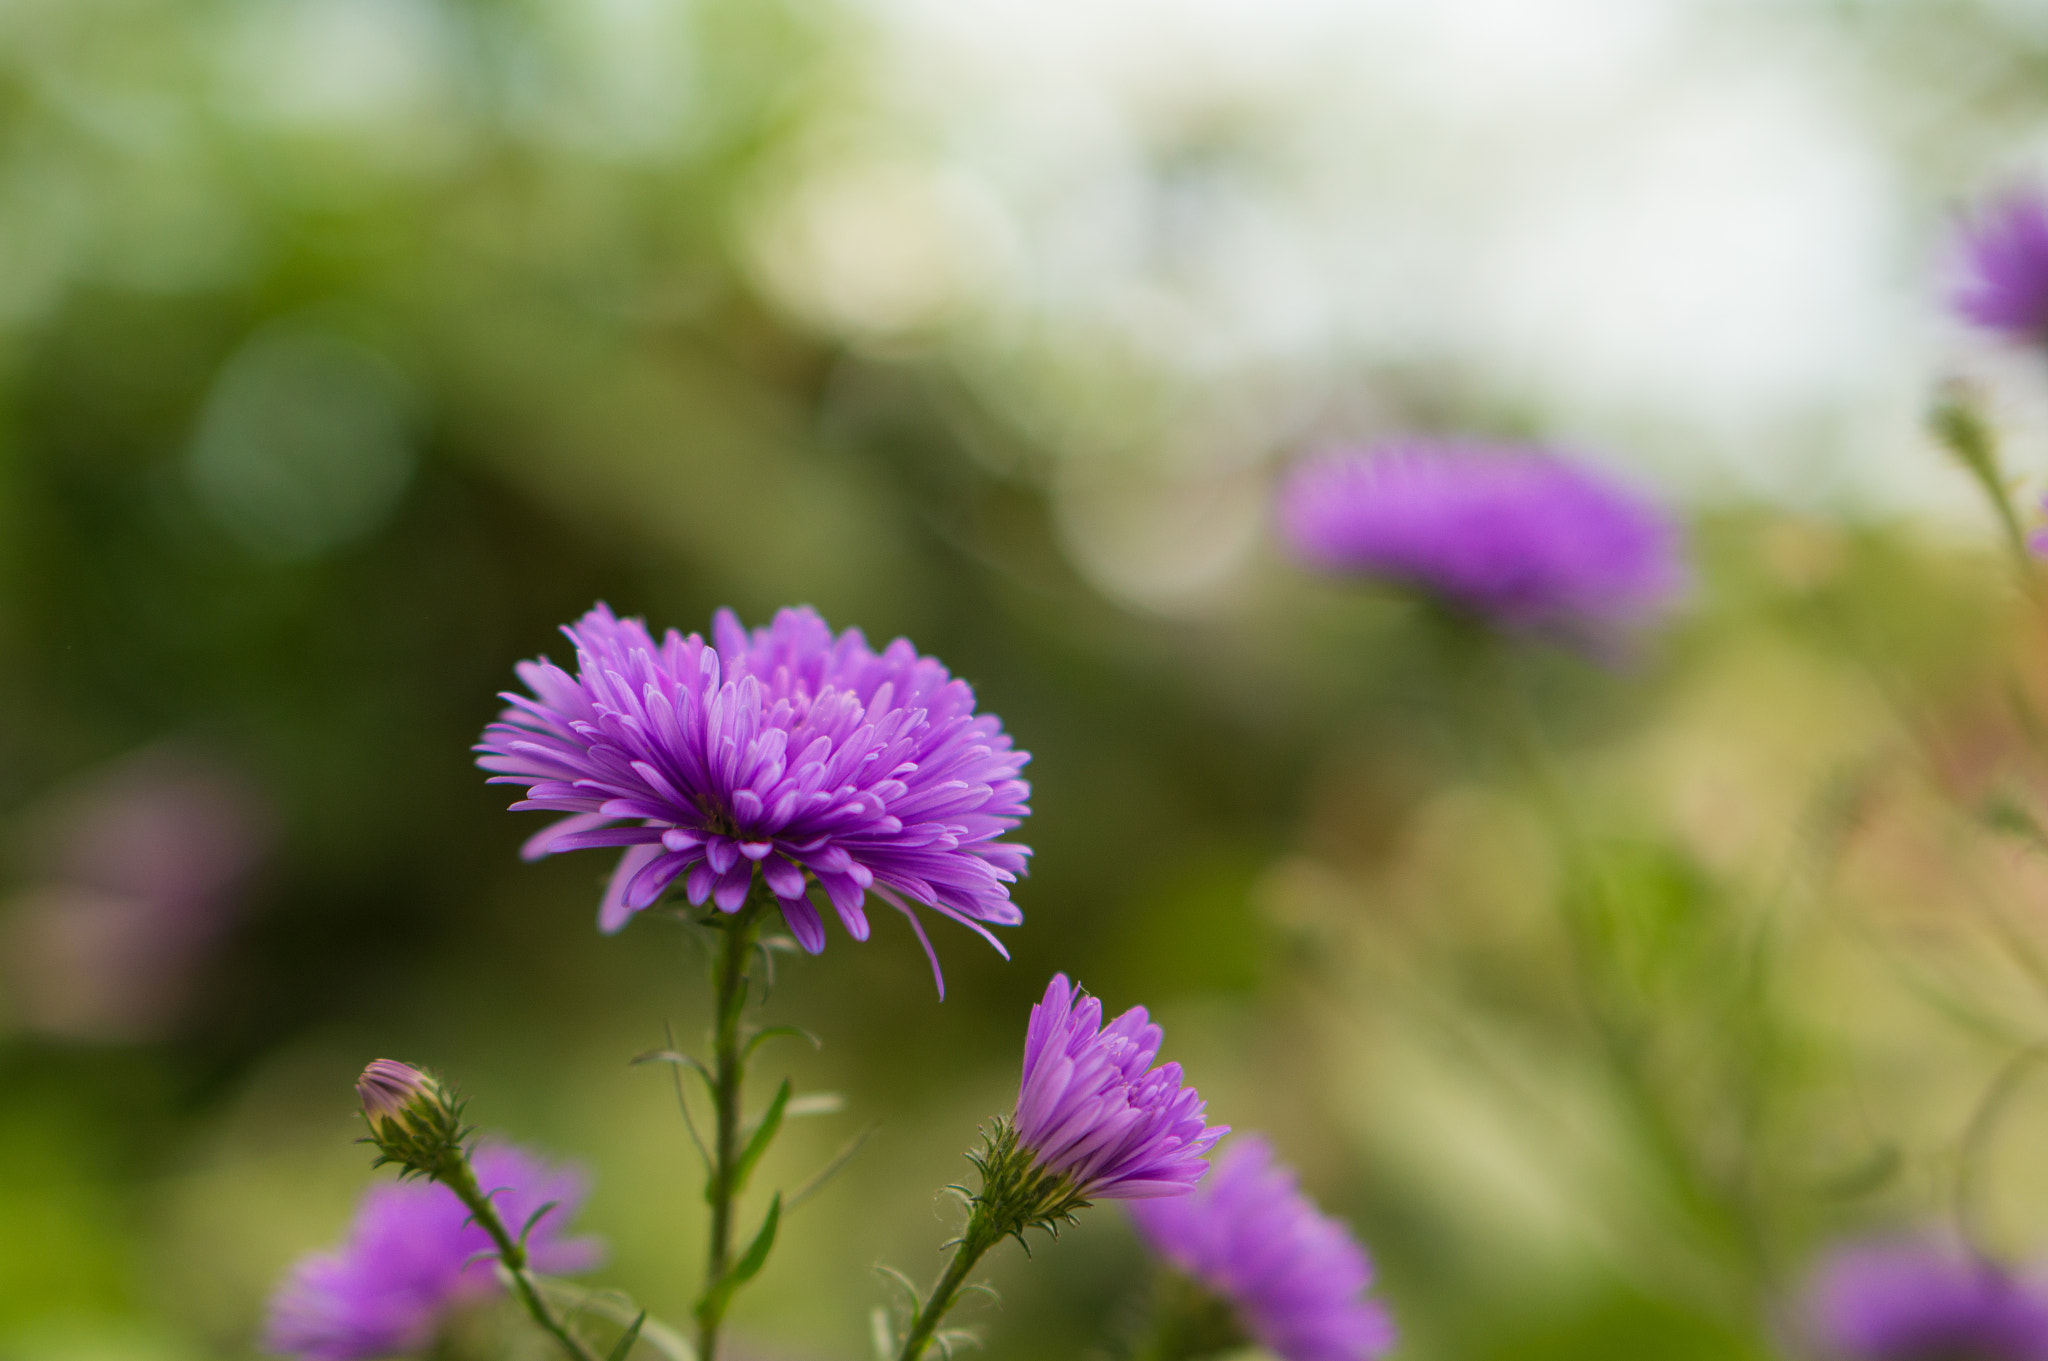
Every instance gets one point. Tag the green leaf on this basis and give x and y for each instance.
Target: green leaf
(764, 1134)
(756, 1256)
(627, 1339)
(831, 1169)
(532, 1220)
(794, 1032)
(711, 1308)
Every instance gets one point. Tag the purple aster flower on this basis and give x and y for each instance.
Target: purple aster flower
(1913, 1302)
(1093, 1111)
(1294, 1278)
(809, 758)
(2005, 267)
(1516, 535)
(411, 1258)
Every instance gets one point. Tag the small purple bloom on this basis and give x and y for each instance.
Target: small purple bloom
(410, 1259)
(1293, 1277)
(808, 757)
(1516, 535)
(1092, 1109)
(1913, 1302)
(2005, 267)
(389, 1088)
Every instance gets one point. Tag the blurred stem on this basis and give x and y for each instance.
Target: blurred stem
(454, 1174)
(1961, 428)
(982, 1233)
(1187, 1322)
(729, 988)
(1725, 1212)
(1977, 1137)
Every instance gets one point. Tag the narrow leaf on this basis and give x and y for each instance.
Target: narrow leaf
(683, 1101)
(831, 1169)
(532, 1220)
(773, 1032)
(626, 1339)
(764, 1134)
(681, 1060)
(711, 1308)
(756, 1257)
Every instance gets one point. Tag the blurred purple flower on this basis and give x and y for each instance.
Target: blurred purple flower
(1092, 1109)
(809, 757)
(1293, 1277)
(1915, 1302)
(137, 871)
(2005, 267)
(410, 1260)
(1515, 535)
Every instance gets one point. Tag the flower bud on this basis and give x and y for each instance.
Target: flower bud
(412, 1118)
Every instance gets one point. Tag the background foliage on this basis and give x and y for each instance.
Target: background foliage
(348, 348)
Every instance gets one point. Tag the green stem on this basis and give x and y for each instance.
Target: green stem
(1959, 425)
(1723, 1210)
(729, 984)
(981, 1235)
(456, 1176)
(1188, 1322)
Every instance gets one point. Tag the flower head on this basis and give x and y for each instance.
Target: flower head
(414, 1121)
(1293, 1278)
(807, 758)
(411, 1258)
(1515, 535)
(1913, 1302)
(392, 1094)
(1094, 1113)
(2005, 268)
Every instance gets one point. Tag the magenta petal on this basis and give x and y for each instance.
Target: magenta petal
(784, 879)
(938, 977)
(731, 889)
(702, 877)
(612, 911)
(537, 845)
(654, 878)
(803, 923)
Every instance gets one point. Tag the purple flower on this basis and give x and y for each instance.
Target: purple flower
(1913, 1302)
(1516, 535)
(810, 758)
(411, 1259)
(1293, 1277)
(1093, 1111)
(2005, 267)
(390, 1092)
(139, 870)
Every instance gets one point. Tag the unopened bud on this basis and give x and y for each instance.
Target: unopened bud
(412, 1119)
